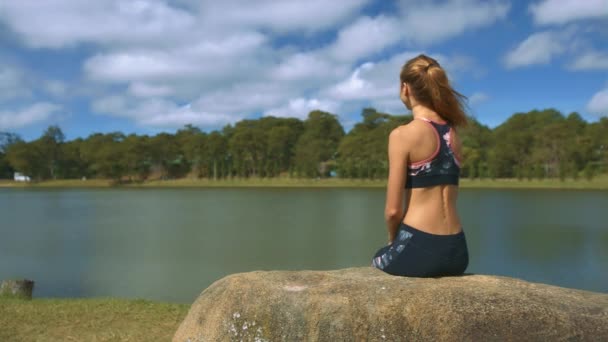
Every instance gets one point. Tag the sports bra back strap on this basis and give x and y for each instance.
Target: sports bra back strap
(431, 121)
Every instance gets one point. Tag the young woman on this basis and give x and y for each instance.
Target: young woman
(425, 238)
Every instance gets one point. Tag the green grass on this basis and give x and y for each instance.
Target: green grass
(88, 320)
(64, 183)
(598, 183)
(266, 182)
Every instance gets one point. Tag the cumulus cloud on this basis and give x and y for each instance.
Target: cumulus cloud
(300, 107)
(212, 109)
(141, 89)
(417, 22)
(280, 16)
(432, 21)
(166, 114)
(159, 112)
(564, 11)
(307, 66)
(37, 112)
(364, 83)
(599, 103)
(60, 23)
(539, 48)
(366, 36)
(215, 58)
(243, 98)
(165, 63)
(377, 84)
(591, 60)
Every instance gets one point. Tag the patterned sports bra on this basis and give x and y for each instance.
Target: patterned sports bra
(443, 167)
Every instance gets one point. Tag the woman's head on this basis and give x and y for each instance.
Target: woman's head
(428, 84)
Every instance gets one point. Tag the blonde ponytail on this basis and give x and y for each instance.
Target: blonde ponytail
(430, 86)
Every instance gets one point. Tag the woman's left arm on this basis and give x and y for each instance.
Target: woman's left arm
(398, 154)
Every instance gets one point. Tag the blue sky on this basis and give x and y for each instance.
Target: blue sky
(146, 66)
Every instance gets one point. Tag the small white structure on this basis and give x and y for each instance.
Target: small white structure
(20, 177)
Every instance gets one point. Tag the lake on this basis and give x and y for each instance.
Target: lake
(170, 244)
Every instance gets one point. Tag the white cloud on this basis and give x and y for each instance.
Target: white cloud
(591, 60)
(214, 59)
(377, 84)
(477, 98)
(60, 23)
(539, 48)
(159, 112)
(112, 104)
(599, 103)
(563, 11)
(280, 16)
(366, 36)
(126, 66)
(372, 81)
(433, 21)
(300, 107)
(244, 98)
(166, 114)
(358, 87)
(417, 22)
(141, 89)
(308, 66)
(34, 113)
(212, 109)
(164, 63)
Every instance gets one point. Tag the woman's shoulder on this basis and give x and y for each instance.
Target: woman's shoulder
(412, 131)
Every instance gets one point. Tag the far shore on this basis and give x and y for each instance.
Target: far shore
(597, 183)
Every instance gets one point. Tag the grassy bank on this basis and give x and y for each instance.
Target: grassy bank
(88, 320)
(598, 183)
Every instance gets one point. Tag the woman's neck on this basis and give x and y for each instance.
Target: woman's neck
(421, 112)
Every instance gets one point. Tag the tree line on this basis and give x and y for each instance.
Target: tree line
(537, 144)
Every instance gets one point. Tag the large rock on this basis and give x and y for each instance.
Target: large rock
(365, 304)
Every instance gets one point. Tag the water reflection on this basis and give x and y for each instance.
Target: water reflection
(547, 243)
(170, 244)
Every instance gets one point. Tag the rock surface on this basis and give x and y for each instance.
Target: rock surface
(365, 304)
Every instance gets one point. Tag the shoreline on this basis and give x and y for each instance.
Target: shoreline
(598, 183)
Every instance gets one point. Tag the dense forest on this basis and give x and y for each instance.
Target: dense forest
(537, 144)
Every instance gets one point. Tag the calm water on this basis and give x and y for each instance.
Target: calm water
(166, 244)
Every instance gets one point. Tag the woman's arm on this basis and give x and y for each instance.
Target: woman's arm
(398, 154)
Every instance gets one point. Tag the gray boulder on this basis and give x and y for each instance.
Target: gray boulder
(365, 304)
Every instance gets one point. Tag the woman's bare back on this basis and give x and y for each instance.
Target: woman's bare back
(431, 209)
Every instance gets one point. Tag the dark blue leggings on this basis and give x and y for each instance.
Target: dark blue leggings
(415, 253)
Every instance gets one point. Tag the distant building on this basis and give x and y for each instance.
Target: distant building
(20, 177)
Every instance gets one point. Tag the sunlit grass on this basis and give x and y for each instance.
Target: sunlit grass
(266, 182)
(597, 183)
(88, 320)
(67, 183)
